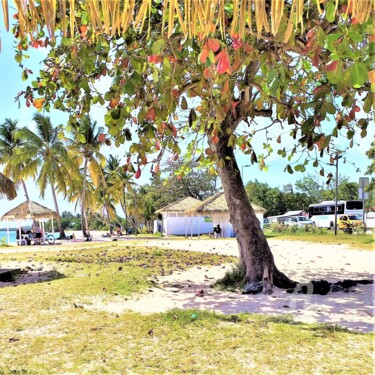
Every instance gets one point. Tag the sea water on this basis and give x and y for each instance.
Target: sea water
(12, 236)
(4, 236)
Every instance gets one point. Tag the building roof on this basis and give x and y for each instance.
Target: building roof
(216, 204)
(29, 210)
(181, 205)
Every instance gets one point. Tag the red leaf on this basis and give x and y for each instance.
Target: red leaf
(315, 59)
(27, 103)
(156, 59)
(331, 66)
(215, 139)
(352, 114)
(310, 34)
(101, 137)
(213, 44)
(138, 173)
(234, 105)
(356, 108)
(223, 63)
(157, 145)
(83, 30)
(243, 146)
(236, 43)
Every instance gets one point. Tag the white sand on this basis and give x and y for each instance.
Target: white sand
(299, 260)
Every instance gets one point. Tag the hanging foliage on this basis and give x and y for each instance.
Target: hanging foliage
(189, 17)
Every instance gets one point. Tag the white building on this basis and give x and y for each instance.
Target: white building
(216, 208)
(172, 220)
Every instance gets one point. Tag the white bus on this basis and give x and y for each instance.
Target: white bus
(323, 214)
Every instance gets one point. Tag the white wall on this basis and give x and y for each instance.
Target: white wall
(184, 226)
(226, 226)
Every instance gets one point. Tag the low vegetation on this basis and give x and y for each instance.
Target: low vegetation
(357, 240)
(48, 327)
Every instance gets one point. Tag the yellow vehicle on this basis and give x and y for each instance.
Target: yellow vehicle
(348, 221)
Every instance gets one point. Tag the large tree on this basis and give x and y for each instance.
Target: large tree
(84, 148)
(45, 158)
(233, 69)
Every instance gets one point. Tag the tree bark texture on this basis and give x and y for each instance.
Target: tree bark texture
(84, 224)
(255, 253)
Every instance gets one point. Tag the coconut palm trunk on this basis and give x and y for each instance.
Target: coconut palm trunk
(84, 223)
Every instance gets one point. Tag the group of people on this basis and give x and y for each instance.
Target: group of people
(28, 235)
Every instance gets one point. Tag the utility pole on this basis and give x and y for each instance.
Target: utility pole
(336, 189)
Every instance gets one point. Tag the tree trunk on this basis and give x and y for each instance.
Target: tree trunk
(62, 233)
(255, 253)
(84, 225)
(25, 190)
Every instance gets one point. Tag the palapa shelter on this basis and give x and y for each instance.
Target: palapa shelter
(172, 221)
(30, 210)
(216, 207)
(7, 187)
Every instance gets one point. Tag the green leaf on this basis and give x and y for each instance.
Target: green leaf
(330, 11)
(359, 75)
(289, 169)
(157, 46)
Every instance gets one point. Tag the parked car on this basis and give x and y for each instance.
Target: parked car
(300, 221)
(346, 221)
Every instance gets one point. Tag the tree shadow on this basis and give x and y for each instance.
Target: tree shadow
(31, 276)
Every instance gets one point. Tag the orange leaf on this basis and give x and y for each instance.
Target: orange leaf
(204, 54)
(208, 73)
(223, 63)
(38, 103)
(157, 168)
(243, 146)
(215, 139)
(371, 76)
(83, 30)
(151, 114)
(225, 88)
(213, 44)
(101, 137)
(113, 102)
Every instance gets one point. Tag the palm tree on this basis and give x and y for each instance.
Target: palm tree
(46, 159)
(120, 183)
(7, 187)
(85, 149)
(8, 146)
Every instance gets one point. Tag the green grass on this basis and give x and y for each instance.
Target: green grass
(43, 332)
(357, 241)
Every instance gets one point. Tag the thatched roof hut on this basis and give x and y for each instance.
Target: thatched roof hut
(216, 205)
(7, 187)
(180, 206)
(29, 210)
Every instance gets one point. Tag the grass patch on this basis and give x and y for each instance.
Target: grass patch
(357, 241)
(176, 343)
(43, 331)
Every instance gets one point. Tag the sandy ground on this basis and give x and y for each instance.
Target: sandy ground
(299, 260)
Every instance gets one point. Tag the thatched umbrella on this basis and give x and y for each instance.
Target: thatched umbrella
(7, 187)
(30, 210)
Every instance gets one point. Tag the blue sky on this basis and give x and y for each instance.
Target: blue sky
(11, 83)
